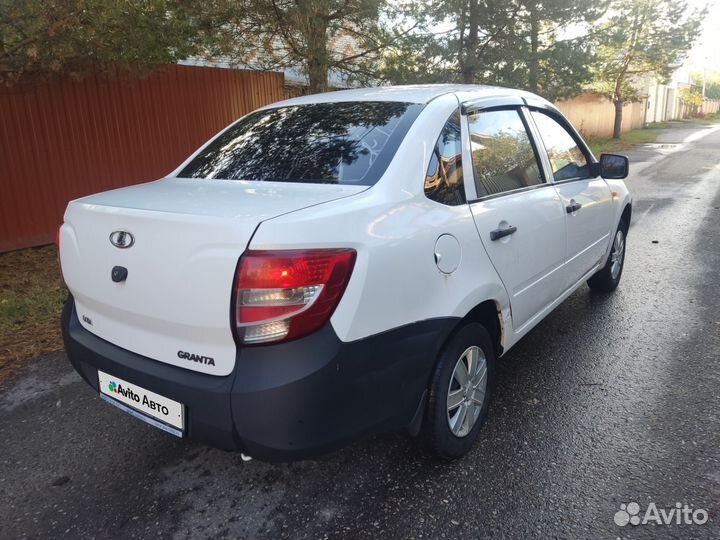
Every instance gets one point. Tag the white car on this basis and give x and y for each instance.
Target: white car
(340, 264)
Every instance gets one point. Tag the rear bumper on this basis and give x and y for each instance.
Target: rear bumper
(283, 402)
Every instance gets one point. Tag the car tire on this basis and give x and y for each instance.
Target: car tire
(448, 435)
(607, 279)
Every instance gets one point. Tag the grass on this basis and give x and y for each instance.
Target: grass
(628, 140)
(31, 299)
(658, 125)
(712, 118)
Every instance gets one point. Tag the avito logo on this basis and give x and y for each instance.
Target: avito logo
(124, 392)
(116, 388)
(681, 514)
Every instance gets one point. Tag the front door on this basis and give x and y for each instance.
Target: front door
(519, 216)
(587, 201)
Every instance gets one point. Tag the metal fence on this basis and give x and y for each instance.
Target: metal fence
(60, 140)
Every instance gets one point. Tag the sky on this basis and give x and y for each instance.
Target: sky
(707, 47)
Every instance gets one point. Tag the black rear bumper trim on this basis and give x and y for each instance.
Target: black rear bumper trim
(289, 401)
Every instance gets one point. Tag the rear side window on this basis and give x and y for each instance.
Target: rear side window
(503, 157)
(444, 177)
(320, 143)
(566, 158)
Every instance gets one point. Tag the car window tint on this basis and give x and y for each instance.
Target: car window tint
(566, 158)
(335, 143)
(503, 157)
(444, 177)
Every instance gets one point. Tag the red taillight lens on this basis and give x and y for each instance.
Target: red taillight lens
(283, 295)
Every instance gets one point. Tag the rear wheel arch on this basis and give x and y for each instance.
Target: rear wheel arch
(488, 314)
(436, 424)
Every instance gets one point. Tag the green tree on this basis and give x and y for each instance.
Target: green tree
(641, 37)
(712, 83)
(510, 43)
(315, 36)
(452, 41)
(82, 36)
(540, 22)
(692, 97)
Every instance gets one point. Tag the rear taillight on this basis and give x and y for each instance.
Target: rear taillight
(283, 295)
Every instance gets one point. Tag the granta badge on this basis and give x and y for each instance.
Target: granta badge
(207, 360)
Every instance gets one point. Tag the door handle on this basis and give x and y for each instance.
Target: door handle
(499, 233)
(573, 206)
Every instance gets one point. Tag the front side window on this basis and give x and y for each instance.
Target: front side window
(566, 158)
(349, 143)
(444, 177)
(503, 157)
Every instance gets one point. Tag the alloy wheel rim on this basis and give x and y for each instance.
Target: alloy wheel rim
(616, 257)
(466, 391)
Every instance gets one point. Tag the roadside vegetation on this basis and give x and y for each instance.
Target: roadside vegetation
(31, 299)
(712, 118)
(598, 145)
(658, 125)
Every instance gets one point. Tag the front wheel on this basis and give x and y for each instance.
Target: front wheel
(460, 392)
(607, 279)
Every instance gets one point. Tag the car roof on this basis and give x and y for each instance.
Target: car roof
(412, 93)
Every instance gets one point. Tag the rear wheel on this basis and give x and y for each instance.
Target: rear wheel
(607, 279)
(460, 392)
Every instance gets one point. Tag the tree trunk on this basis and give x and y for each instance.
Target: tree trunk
(534, 61)
(618, 101)
(617, 126)
(469, 54)
(313, 21)
(317, 74)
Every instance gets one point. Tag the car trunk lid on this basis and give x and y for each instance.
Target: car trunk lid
(178, 241)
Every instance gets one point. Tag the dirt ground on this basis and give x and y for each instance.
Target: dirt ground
(31, 299)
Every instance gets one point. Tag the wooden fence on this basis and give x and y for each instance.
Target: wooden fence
(594, 115)
(64, 139)
(711, 106)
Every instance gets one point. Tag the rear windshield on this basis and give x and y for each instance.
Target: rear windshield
(320, 143)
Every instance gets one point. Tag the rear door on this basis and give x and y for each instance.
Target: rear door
(518, 214)
(587, 201)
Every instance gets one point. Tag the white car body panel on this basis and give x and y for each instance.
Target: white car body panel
(588, 234)
(531, 262)
(394, 227)
(190, 234)
(188, 237)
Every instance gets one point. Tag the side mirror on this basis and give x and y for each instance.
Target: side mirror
(613, 166)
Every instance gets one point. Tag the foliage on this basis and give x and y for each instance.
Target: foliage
(712, 83)
(642, 37)
(629, 90)
(314, 36)
(81, 36)
(628, 140)
(555, 67)
(508, 43)
(691, 97)
(518, 43)
(563, 70)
